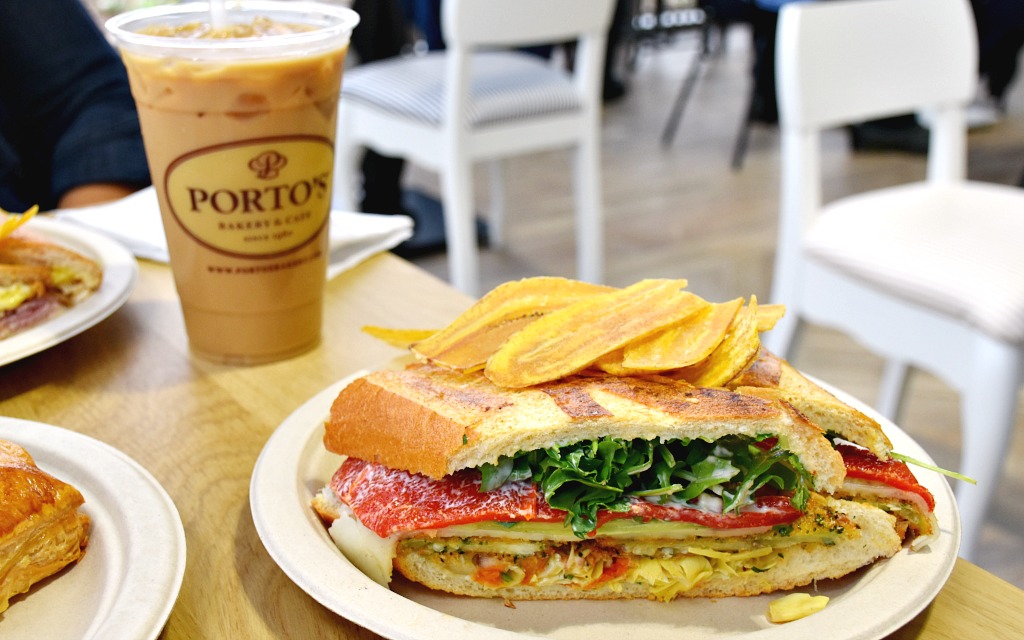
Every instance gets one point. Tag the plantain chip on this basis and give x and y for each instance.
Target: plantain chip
(401, 338)
(470, 340)
(9, 223)
(686, 343)
(568, 340)
(795, 606)
(765, 371)
(740, 345)
(768, 315)
(611, 363)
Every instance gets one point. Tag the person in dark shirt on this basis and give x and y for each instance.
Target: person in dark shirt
(1000, 41)
(69, 131)
(382, 33)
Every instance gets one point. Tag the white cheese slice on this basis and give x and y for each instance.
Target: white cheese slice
(370, 553)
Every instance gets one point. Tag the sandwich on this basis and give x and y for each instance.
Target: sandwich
(39, 279)
(24, 300)
(873, 475)
(42, 529)
(593, 487)
(564, 470)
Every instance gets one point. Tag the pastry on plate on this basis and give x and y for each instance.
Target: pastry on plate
(42, 529)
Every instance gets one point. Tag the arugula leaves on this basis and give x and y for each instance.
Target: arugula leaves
(586, 477)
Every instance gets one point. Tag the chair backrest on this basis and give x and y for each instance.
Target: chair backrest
(840, 61)
(844, 61)
(473, 25)
(522, 22)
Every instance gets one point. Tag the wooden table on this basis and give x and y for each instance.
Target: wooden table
(199, 428)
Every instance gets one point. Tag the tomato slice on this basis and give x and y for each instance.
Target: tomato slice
(864, 465)
(388, 501)
(618, 568)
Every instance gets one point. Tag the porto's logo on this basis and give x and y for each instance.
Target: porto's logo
(259, 198)
(268, 165)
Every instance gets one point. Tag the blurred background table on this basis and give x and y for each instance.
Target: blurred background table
(199, 428)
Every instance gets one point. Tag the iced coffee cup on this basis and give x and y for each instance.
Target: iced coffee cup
(238, 120)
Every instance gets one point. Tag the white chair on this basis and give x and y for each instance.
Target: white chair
(930, 274)
(482, 100)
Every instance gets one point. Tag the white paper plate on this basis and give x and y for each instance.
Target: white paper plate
(120, 271)
(294, 466)
(127, 582)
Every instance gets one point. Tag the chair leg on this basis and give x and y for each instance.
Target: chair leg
(496, 212)
(589, 212)
(739, 150)
(459, 227)
(683, 98)
(988, 415)
(892, 389)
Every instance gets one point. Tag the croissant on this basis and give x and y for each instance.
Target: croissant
(41, 528)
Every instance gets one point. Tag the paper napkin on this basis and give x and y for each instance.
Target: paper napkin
(135, 222)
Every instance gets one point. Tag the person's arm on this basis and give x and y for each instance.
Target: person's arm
(95, 193)
(69, 110)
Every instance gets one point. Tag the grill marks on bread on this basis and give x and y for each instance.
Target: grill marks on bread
(575, 401)
(434, 421)
(466, 397)
(682, 400)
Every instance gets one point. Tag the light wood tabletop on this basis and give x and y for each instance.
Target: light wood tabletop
(199, 428)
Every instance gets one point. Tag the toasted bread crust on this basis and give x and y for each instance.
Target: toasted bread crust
(433, 421)
(769, 376)
(36, 277)
(831, 414)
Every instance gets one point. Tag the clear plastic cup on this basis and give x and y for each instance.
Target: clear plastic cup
(239, 134)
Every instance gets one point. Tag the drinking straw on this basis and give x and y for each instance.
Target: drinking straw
(217, 14)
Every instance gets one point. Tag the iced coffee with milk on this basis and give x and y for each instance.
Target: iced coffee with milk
(238, 115)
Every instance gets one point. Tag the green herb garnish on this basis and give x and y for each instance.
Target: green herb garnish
(594, 475)
(931, 467)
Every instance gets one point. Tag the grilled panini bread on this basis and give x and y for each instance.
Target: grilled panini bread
(41, 529)
(437, 421)
(771, 376)
(73, 275)
(21, 283)
(872, 476)
(39, 279)
(417, 490)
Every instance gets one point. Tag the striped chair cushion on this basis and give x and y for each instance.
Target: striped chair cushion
(956, 249)
(506, 86)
